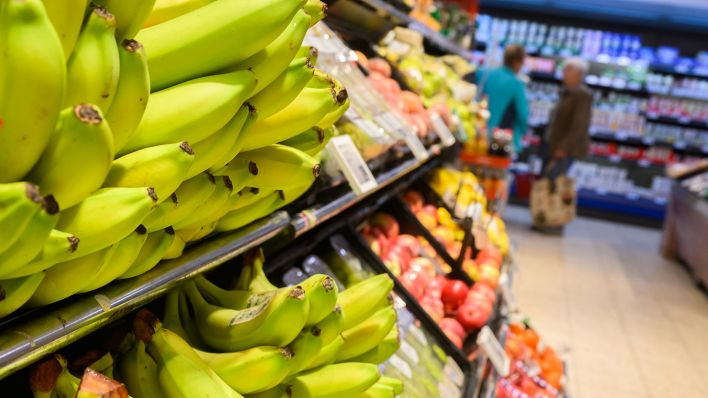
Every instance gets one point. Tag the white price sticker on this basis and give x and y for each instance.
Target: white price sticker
(441, 130)
(415, 145)
(507, 293)
(488, 342)
(349, 160)
(453, 372)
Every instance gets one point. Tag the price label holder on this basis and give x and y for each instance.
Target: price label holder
(507, 293)
(494, 351)
(399, 129)
(441, 130)
(349, 160)
(453, 372)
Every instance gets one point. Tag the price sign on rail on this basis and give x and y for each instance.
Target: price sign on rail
(441, 130)
(349, 160)
(491, 347)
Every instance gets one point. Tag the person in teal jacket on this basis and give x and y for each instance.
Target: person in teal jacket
(506, 94)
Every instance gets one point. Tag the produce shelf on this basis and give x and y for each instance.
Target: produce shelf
(29, 337)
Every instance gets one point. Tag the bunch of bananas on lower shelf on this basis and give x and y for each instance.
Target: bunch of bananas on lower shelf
(121, 144)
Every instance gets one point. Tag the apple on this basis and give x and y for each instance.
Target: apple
(422, 264)
(454, 294)
(379, 66)
(414, 200)
(490, 254)
(432, 210)
(393, 266)
(429, 222)
(444, 236)
(386, 223)
(413, 284)
(410, 243)
(401, 254)
(433, 307)
(489, 275)
(453, 325)
(471, 269)
(435, 288)
(472, 316)
(454, 338)
(485, 289)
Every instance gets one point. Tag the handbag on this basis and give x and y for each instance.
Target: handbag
(553, 202)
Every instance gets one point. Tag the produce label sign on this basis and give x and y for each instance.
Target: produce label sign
(494, 351)
(349, 160)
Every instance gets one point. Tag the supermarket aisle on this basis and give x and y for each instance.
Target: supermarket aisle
(630, 323)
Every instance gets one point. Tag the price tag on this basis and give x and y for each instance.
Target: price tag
(507, 293)
(410, 352)
(491, 347)
(401, 365)
(453, 372)
(441, 130)
(446, 389)
(349, 160)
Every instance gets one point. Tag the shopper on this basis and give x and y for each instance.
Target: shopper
(506, 94)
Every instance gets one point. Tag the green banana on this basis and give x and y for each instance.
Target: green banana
(94, 66)
(248, 196)
(32, 85)
(171, 317)
(67, 17)
(191, 111)
(337, 380)
(132, 93)
(162, 167)
(378, 390)
(360, 300)
(316, 9)
(214, 204)
(14, 293)
(329, 119)
(82, 138)
(321, 291)
(218, 144)
(164, 10)
(227, 157)
(107, 216)
(367, 335)
(176, 248)
(197, 233)
(119, 259)
(239, 218)
(383, 351)
(310, 52)
(268, 163)
(275, 392)
(252, 276)
(234, 299)
(305, 346)
(331, 325)
(312, 141)
(58, 247)
(19, 202)
(130, 15)
(239, 170)
(219, 34)
(186, 315)
(284, 89)
(306, 110)
(139, 372)
(33, 238)
(251, 370)
(151, 252)
(270, 62)
(327, 354)
(190, 196)
(67, 384)
(395, 384)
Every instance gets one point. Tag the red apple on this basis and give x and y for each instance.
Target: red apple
(413, 284)
(414, 200)
(485, 289)
(386, 223)
(422, 264)
(490, 253)
(433, 307)
(401, 254)
(454, 294)
(429, 222)
(454, 338)
(410, 243)
(471, 316)
(454, 326)
(432, 210)
(380, 66)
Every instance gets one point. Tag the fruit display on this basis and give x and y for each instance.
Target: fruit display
(135, 128)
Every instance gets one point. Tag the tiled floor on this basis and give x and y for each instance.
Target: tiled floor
(630, 323)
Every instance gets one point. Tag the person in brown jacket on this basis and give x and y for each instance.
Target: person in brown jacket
(568, 131)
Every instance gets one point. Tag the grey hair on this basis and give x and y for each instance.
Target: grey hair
(578, 64)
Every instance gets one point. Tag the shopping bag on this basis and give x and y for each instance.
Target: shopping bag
(553, 201)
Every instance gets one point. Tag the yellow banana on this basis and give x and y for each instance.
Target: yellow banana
(367, 335)
(67, 17)
(360, 301)
(312, 141)
(383, 351)
(215, 295)
(19, 202)
(270, 62)
(58, 247)
(219, 34)
(227, 157)
(253, 276)
(197, 233)
(67, 384)
(321, 291)
(191, 111)
(395, 384)
(82, 138)
(251, 370)
(188, 197)
(305, 346)
(32, 85)
(218, 144)
(331, 325)
(94, 65)
(118, 260)
(327, 354)
(284, 89)
(16, 292)
(164, 10)
(378, 390)
(337, 380)
(267, 164)
(214, 204)
(151, 252)
(329, 119)
(310, 52)
(238, 218)
(139, 372)
(162, 167)
(248, 196)
(107, 216)
(176, 248)
(238, 170)
(130, 15)
(132, 93)
(316, 9)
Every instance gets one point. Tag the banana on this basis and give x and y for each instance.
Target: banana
(67, 17)
(130, 15)
(305, 346)
(188, 197)
(239, 170)
(162, 167)
(268, 163)
(337, 380)
(321, 291)
(315, 9)
(19, 202)
(306, 110)
(218, 144)
(272, 60)
(219, 34)
(326, 355)
(164, 10)
(239, 218)
(150, 254)
(139, 372)
(383, 351)
(258, 324)
(14, 293)
(395, 384)
(378, 390)
(107, 216)
(191, 111)
(82, 138)
(252, 276)
(329, 119)
(359, 301)
(58, 247)
(118, 260)
(32, 85)
(66, 384)
(367, 335)
(132, 93)
(227, 157)
(186, 316)
(251, 370)
(213, 205)
(312, 141)
(248, 196)
(331, 325)
(234, 299)
(171, 317)
(94, 66)
(176, 248)
(275, 392)
(197, 233)
(284, 89)
(310, 52)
